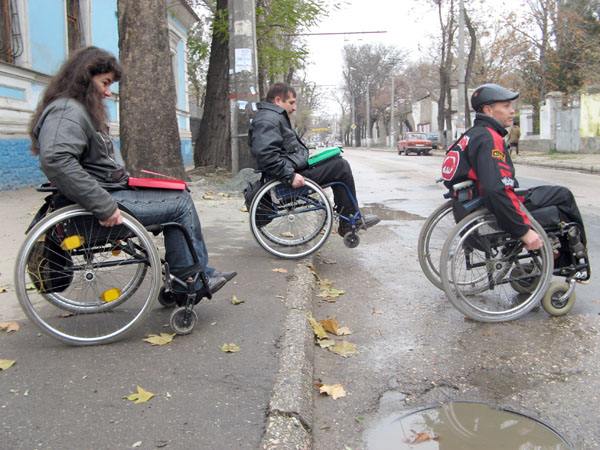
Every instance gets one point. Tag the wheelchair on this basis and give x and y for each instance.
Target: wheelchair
(488, 275)
(85, 284)
(293, 223)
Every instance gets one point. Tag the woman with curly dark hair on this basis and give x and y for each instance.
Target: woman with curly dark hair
(69, 131)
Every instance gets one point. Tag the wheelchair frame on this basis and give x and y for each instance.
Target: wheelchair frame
(290, 206)
(87, 258)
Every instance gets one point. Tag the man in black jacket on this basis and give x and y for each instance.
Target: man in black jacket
(481, 155)
(281, 154)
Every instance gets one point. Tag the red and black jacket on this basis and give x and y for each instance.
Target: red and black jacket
(481, 155)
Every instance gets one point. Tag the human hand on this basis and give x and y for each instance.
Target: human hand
(532, 240)
(297, 181)
(115, 219)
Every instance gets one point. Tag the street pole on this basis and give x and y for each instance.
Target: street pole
(368, 108)
(243, 79)
(460, 98)
(353, 125)
(392, 118)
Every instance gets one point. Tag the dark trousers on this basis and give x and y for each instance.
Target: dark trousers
(335, 169)
(559, 196)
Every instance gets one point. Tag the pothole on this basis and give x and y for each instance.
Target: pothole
(463, 425)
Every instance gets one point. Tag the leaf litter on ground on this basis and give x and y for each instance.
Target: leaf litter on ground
(328, 292)
(230, 348)
(6, 364)
(280, 270)
(159, 339)
(344, 348)
(332, 326)
(9, 327)
(335, 391)
(140, 396)
(236, 301)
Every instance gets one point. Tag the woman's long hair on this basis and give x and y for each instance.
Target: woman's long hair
(74, 80)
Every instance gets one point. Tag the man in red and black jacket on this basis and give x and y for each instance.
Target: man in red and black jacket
(481, 155)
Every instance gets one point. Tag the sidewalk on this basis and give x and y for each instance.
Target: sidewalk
(57, 396)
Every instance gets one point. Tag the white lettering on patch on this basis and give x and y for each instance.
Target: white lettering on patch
(507, 181)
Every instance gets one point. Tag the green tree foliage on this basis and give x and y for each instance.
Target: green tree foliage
(281, 50)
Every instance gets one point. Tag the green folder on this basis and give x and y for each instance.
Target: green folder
(324, 155)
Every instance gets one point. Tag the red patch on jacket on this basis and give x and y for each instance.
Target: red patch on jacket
(450, 164)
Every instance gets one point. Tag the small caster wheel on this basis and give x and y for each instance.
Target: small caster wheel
(351, 240)
(552, 303)
(183, 320)
(523, 286)
(167, 299)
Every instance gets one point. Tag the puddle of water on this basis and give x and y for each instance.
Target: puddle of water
(463, 426)
(385, 213)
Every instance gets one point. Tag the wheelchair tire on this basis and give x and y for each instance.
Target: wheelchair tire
(291, 223)
(183, 320)
(432, 236)
(116, 276)
(475, 269)
(551, 301)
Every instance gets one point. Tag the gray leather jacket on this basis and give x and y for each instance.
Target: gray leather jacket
(278, 150)
(78, 159)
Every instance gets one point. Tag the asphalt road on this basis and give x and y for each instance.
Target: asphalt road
(416, 350)
(62, 398)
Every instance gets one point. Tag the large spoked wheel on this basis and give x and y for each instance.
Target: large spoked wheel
(475, 270)
(85, 284)
(433, 234)
(291, 223)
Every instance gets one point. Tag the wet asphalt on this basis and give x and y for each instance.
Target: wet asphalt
(416, 350)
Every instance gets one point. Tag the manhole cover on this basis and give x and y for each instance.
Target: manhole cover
(463, 426)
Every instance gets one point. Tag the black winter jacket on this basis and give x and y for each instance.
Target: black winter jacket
(481, 155)
(278, 150)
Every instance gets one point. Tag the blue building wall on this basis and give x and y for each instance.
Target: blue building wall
(47, 31)
(105, 26)
(19, 168)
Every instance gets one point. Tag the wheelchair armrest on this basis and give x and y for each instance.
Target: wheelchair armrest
(462, 185)
(46, 187)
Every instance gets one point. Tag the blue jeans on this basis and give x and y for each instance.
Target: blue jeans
(154, 206)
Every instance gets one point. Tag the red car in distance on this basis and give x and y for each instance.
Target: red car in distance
(414, 143)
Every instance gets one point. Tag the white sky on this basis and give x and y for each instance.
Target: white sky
(410, 25)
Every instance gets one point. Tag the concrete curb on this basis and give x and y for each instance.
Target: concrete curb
(290, 412)
(576, 168)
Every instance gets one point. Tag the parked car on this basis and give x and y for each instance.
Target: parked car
(415, 143)
(435, 140)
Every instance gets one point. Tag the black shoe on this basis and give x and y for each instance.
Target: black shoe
(369, 220)
(227, 275)
(216, 282)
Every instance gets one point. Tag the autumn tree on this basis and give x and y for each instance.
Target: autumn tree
(148, 122)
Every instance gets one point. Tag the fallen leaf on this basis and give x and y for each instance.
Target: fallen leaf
(244, 209)
(328, 292)
(236, 301)
(30, 287)
(67, 314)
(225, 194)
(208, 196)
(335, 391)
(330, 325)
(159, 339)
(325, 343)
(137, 444)
(287, 234)
(312, 270)
(343, 331)
(230, 348)
(6, 363)
(318, 329)
(280, 270)
(423, 437)
(344, 349)
(3, 290)
(9, 326)
(141, 396)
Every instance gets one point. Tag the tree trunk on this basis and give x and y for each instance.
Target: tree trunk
(469, 70)
(213, 144)
(148, 121)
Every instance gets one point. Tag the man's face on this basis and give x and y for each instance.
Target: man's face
(503, 112)
(289, 104)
